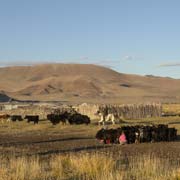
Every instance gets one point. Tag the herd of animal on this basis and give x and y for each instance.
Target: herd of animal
(72, 118)
(13, 118)
(138, 134)
(134, 134)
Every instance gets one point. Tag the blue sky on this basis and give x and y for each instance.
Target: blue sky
(130, 36)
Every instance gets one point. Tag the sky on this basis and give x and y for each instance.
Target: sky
(129, 36)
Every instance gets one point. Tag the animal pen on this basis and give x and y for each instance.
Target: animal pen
(129, 111)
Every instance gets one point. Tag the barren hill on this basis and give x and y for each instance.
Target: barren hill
(85, 83)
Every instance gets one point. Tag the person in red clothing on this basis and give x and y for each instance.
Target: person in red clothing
(122, 138)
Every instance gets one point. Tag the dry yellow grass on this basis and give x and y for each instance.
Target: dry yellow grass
(88, 167)
(171, 108)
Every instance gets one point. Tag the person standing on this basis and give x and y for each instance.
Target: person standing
(122, 138)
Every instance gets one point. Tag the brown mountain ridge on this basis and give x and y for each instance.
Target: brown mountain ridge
(85, 83)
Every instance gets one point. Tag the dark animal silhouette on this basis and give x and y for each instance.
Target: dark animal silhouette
(16, 118)
(57, 118)
(4, 116)
(33, 118)
(77, 118)
(108, 135)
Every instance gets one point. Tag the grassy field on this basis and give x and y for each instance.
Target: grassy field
(47, 152)
(171, 108)
(86, 166)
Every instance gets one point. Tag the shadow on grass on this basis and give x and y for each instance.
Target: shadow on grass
(78, 149)
(45, 141)
(174, 122)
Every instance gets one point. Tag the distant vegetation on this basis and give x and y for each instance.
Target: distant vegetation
(171, 108)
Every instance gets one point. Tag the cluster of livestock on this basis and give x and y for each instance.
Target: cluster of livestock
(33, 118)
(71, 117)
(138, 134)
(134, 134)
(54, 118)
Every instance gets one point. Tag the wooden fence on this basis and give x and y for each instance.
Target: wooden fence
(129, 111)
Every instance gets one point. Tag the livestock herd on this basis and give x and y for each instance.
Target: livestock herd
(138, 134)
(134, 134)
(72, 118)
(14, 118)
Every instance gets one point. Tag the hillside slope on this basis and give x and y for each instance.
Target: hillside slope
(85, 83)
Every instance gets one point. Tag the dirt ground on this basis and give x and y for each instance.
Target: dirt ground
(44, 139)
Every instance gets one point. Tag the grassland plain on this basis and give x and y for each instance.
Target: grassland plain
(171, 108)
(44, 151)
(93, 166)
